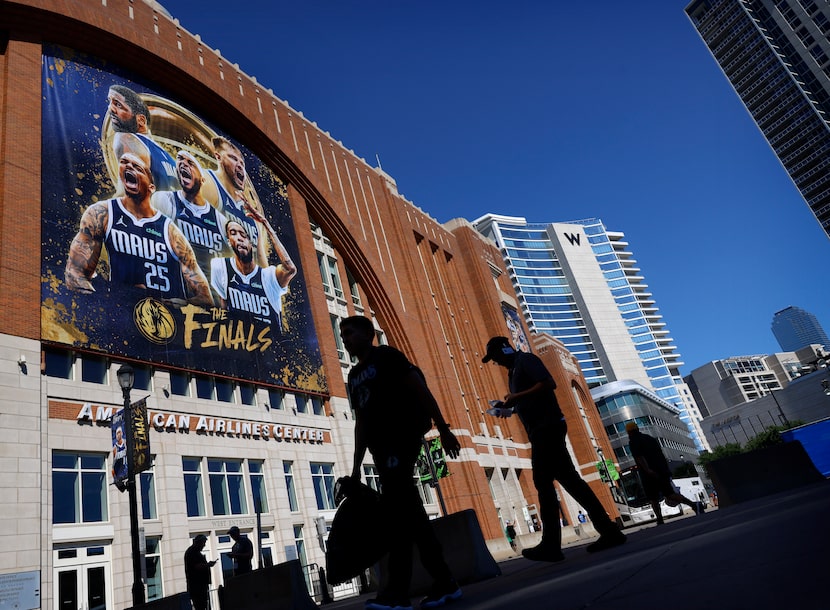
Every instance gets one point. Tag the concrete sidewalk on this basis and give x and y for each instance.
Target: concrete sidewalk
(771, 553)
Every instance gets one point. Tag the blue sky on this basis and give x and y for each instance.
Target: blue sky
(555, 111)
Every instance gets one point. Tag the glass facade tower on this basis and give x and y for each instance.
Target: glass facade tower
(547, 301)
(776, 55)
(579, 282)
(795, 328)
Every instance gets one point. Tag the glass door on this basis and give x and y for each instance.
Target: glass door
(82, 580)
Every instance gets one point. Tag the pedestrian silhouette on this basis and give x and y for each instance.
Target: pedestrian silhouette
(533, 399)
(393, 410)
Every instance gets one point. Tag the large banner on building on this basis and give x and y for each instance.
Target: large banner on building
(517, 332)
(164, 239)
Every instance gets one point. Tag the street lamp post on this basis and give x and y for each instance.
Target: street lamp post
(126, 377)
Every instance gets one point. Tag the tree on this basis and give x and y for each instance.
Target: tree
(771, 435)
(721, 451)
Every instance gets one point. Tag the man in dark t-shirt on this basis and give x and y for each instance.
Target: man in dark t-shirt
(655, 471)
(242, 551)
(533, 399)
(197, 573)
(393, 410)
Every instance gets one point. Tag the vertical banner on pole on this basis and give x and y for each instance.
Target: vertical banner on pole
(140, 438)
(120, 470)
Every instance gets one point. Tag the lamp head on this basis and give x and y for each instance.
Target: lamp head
(126, 377)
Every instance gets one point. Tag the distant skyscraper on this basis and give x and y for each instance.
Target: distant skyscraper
(578, 282)
(777, 56)
(795, 328)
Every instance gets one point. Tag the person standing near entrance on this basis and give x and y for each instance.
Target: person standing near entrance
(197, 573)
(533, 399)
(242, 552)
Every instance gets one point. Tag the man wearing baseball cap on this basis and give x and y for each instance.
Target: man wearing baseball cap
(533, 399)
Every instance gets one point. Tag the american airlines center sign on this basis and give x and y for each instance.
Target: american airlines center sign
(164, 239)
(184, 423)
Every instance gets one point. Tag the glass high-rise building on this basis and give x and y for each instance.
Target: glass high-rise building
(795, 328)
(776, 55)
(579, 282)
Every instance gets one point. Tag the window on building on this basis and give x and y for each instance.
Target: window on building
(302, 403)
(330, 276)
(257, 474)
(179, 383)
(142, 377)
(322, 477)
(58, 362)
(299, 544)
(317, 405)
(323, 275)
(338, 341)
(205, 387)
(224, 390)
(152, 560)
(822, 22)
(354, 290)
(194, 493)
(288, 469)
(805, 36)
(819, 55)
(94, 369)
(791, 17)
(275, 398)
(227, 487)
(147, 484)
(267, 550)
(809, 5)
(79, 487)
(247, 393)
(370, 473)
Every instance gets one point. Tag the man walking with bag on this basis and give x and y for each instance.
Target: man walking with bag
(393, 410)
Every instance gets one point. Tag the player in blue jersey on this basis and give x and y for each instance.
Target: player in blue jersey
(225, 190)
(144, 247)
(246, 289)
(130, 115)
(202, 224)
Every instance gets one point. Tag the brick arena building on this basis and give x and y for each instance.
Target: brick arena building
(246, 401)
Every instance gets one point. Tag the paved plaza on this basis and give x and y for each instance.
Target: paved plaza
(769, 553)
